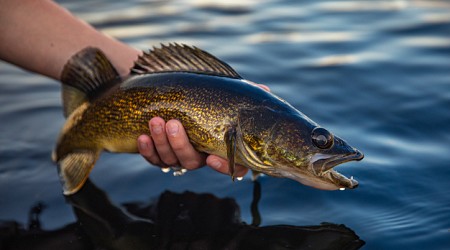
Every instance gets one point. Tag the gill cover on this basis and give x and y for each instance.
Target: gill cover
(254, 136)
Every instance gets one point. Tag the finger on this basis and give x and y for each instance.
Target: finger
(221, 165)
(188, 157)
(265, 87)
(159, 137)
(147, 150)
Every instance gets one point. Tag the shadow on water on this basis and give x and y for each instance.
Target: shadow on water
(175, 221)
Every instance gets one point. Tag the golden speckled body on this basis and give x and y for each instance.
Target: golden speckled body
(206, 106)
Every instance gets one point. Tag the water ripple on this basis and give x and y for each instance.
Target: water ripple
(374, 72)
(304, 37)
(362, 6)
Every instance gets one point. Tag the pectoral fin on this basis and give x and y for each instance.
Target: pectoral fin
(230, 140)
(74, 170)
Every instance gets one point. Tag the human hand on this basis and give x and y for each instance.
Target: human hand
(169, 146)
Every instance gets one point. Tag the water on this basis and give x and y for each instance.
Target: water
(377, 73)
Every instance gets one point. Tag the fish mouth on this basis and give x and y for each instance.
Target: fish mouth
(323, 167)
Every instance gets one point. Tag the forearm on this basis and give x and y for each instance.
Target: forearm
(41, 36)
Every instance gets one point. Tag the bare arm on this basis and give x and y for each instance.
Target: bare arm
(41, 36)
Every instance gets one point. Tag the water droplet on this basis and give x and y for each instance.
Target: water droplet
(165, 170)
(240, 178)
(342, 189)
(178, 171)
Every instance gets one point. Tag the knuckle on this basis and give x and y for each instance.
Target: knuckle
(178, 144)
(160, 141)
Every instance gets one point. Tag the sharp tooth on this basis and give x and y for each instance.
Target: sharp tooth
(342, 189)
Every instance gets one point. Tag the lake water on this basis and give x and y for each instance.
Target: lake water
(376, 73)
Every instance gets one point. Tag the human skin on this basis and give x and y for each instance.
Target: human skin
(41, 36)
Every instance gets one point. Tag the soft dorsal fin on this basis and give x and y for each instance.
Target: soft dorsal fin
(182, 58)
(86, 76)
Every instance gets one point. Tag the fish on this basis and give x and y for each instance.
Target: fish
(223, 114)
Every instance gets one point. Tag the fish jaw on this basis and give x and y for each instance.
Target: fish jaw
(320, 173)
(322, 166)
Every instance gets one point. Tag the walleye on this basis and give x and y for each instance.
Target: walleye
(222, 113)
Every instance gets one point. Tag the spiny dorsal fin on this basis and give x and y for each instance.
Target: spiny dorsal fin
(182, 58)
(86, 76)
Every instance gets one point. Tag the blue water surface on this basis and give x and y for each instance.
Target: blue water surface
(376, 73)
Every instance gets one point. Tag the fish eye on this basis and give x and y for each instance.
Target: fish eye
(322, 138)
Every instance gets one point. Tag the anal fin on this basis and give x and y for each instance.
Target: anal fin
(74, 170)
(230, 141)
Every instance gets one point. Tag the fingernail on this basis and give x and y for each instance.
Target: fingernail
(157, 129)
(172, 128)
(216, 164)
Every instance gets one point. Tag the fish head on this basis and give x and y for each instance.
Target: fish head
(308, 154)
(287, 144)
